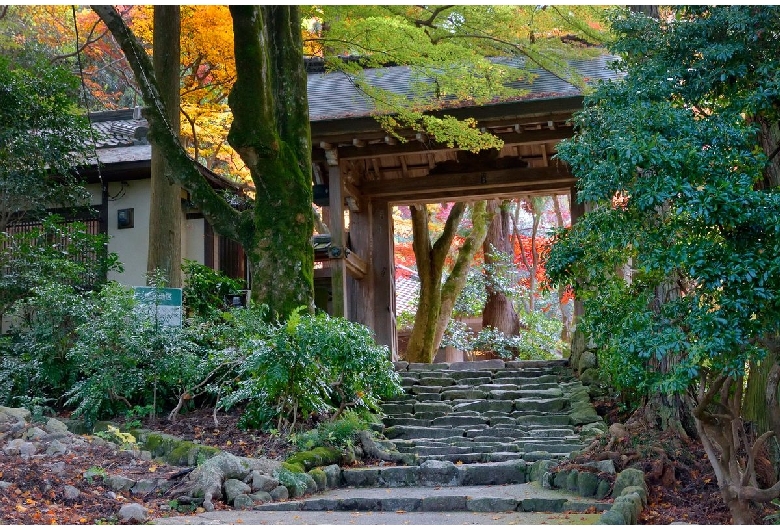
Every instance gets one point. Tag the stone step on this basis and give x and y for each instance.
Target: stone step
(490, 499)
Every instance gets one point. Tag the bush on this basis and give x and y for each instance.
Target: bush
(126, 359)
(205, 289)
(310, 364)
(341, 433)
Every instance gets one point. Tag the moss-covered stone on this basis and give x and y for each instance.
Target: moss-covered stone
(572, 480)
(319, 478)
(628, 477)
(293, 467)
(587, 484)
(174, 450)
(538, 469)
(317, 457)
(603, 489)
(639, 490)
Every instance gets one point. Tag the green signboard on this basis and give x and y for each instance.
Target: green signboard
(162, 304)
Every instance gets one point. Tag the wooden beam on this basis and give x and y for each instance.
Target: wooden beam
(353, 192)
(547, 189)
(414, 147)
(463, 184)
(356, 266)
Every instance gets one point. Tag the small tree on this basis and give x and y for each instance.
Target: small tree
(42, 141)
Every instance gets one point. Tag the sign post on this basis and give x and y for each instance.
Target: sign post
(161, 304)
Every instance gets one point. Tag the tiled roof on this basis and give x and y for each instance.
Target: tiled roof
(407, 291)
(334, 95)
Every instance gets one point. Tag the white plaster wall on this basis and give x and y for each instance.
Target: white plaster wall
(131, 244)
(193, 240)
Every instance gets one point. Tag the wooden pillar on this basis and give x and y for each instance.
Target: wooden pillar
(383, 272)
(361, 290)
(338, 240)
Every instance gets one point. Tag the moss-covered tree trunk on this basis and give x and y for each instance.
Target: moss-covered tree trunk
(270, 131)
(272, 134)
(165, 201)
(430, 267)
(499, 313)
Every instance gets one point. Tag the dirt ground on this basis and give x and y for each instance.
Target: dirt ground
(36, 496)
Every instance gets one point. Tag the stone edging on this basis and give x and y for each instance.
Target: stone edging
(629, 490)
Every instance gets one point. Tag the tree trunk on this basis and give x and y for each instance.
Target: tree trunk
(271, 132)
(165, 202)
(499, 313)
(430, 267)
(480, 219)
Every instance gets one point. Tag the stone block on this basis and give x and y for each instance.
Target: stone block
(628, 477)
(484, 406)
(494, 473)
(492, 364)
(443, 503)
(333, 475)
(439, 408)
(541, 405)
(394, 504)
(360, 477)
(438, 473)
(425, 367)
(359, 505)
(587, 484)
(320, 505)
(542, 505)
(492, 505)
(462, 393)
(399, 476)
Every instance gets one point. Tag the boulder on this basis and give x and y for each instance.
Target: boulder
(133, 513)
(55, 426)
(71, 493)
(234, 488)
(280, 493)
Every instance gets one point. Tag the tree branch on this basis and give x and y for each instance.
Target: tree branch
(89, 40)
(442, 245)
(429, 21)
(225, 219)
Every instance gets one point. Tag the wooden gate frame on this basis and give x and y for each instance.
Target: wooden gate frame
(367, 171)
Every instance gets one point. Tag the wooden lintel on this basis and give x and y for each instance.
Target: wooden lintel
(482, 183)
(356, 266)
(545, 190)
(417, 147)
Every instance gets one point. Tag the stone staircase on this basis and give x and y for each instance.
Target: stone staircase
(477, 438)
(489, 411)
